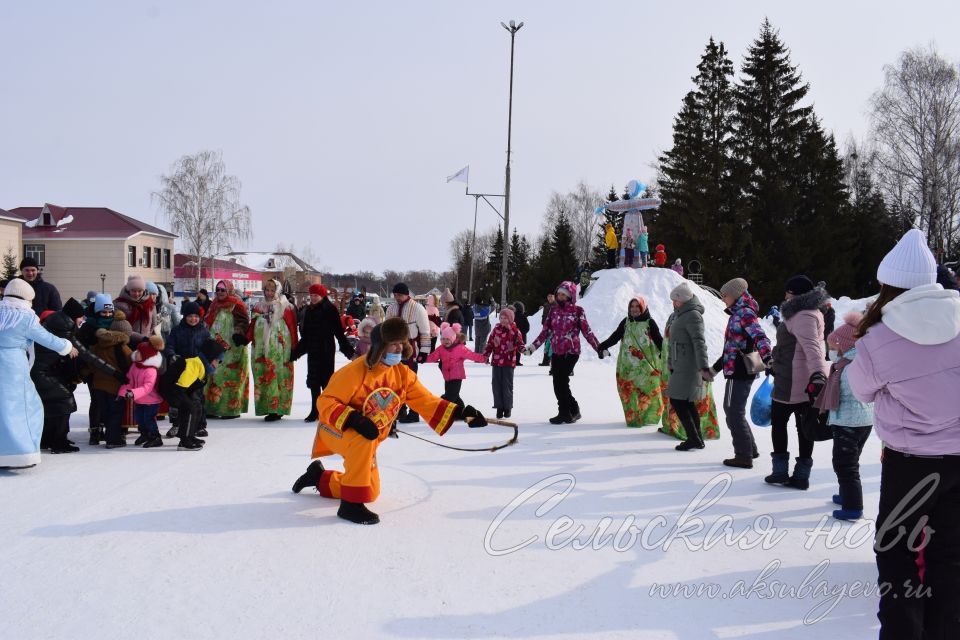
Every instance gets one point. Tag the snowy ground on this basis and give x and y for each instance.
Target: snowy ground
(166, 544)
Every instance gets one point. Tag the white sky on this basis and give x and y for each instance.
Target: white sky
(342, 120)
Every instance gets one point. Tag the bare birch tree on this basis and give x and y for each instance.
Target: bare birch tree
(916, 126)
(202, 204)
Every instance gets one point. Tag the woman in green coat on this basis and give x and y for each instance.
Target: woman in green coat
(687, 360)
(638, 365)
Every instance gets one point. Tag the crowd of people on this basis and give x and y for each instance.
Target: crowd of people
(891, 367)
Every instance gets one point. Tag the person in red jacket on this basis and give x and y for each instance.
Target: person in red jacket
(503, 346)
(660, 256)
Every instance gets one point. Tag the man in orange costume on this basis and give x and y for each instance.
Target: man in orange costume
(345, 430)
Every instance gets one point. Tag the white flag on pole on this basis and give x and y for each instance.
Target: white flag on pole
(461, 176)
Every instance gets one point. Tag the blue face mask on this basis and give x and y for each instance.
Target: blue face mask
(391, 359)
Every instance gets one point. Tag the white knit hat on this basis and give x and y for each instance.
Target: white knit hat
(18, 288)
(682, 292)
(909, 264)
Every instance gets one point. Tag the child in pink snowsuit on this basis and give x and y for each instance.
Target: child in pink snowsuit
(503, 345)
(143, 378)
(451, 356)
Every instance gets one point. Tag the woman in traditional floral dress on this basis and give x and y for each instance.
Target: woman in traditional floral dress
(273, 332)
(228, 391)
(638, 365)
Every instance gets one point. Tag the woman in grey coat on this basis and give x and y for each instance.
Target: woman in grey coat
(688, 363)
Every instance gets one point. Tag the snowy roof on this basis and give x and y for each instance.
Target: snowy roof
(187, 260)
(51, 221)
(269, 261)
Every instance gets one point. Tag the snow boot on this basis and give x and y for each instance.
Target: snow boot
(410, 418)
(141, 439)
(312, 416)
(837, 499)
(116, 445)
(357, 512)
(801, 474)
(202, 432)
(561, 418)
(499, 414)
(96, 435)
(848, 514)
(310, 478)
(64, 447)
(740, 463)
(189, 445)
(172, 432)
(155, 441)
(506, 413)
(689, 445)
(781, 469)
(272, 417)
(575, 411)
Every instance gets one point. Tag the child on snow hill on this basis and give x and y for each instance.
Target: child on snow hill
(660, 256)
(503, 345)
(629, 243)
(451, 356)
(182, 385)
(851, 419)
(143, 389)
(643, 247)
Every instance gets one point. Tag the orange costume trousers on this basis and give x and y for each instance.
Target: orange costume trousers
(360, 479)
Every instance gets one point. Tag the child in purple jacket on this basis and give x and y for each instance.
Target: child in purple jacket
(451, 356)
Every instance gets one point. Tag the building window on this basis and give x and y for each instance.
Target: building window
(166, 258)
(156, 258)
(131, 256)
(146, 257)
(36, 251)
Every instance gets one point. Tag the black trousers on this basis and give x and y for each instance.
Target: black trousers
(612, 258)
(451, 391)
(562, 369)
(847, 444)
(735, 407)
(689, 417)
(93, 412)
(929, 490)
(779, 416)
(111, 414)
(190, 414)
(56, 430)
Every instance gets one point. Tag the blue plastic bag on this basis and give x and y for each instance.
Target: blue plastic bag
(762, 405)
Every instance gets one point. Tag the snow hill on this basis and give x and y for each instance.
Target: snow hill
(607, 298)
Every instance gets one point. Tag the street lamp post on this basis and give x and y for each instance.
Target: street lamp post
(103, 282)
(512, 28)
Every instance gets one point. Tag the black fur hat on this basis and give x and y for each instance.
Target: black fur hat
(390, 330)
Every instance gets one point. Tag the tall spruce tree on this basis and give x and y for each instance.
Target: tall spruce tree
(517, 265)
(491, 279)
(9, 267)
(770, 128)
(697, 219)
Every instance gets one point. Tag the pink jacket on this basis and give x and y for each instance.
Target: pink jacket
(452, 359)
(503, 345)
(564, 325)
(143, 378)
(909, 367)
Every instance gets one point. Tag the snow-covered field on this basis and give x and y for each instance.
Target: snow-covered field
(577, 531)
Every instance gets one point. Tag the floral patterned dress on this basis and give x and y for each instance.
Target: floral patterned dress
(274, 339)
(228, 390)
(706, 407)
(638, 376)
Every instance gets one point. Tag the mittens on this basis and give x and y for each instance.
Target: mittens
(362, 425)
(471, 416)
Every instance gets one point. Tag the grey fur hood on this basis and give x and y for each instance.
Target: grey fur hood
(810, 301)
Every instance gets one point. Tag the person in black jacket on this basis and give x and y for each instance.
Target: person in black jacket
(55, 378)
(181, 385)
(46, 297)
(520, 319)
(454, 315)
(320, 327)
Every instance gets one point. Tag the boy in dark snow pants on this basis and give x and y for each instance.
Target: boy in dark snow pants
(182, 387)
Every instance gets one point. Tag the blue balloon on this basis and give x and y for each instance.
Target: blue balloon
(635, 188)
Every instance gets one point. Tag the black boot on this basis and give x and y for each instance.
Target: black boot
(310, 478)
(313, 416)
(357, 512)
(575, 411)
(781, 468)
(499, 414)
(411, 417)
(272, 417)
(96, 435)
(801, 474)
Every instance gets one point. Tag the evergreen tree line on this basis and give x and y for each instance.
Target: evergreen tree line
(754, 187)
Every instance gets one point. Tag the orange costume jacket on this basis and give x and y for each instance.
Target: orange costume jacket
(349, 388)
